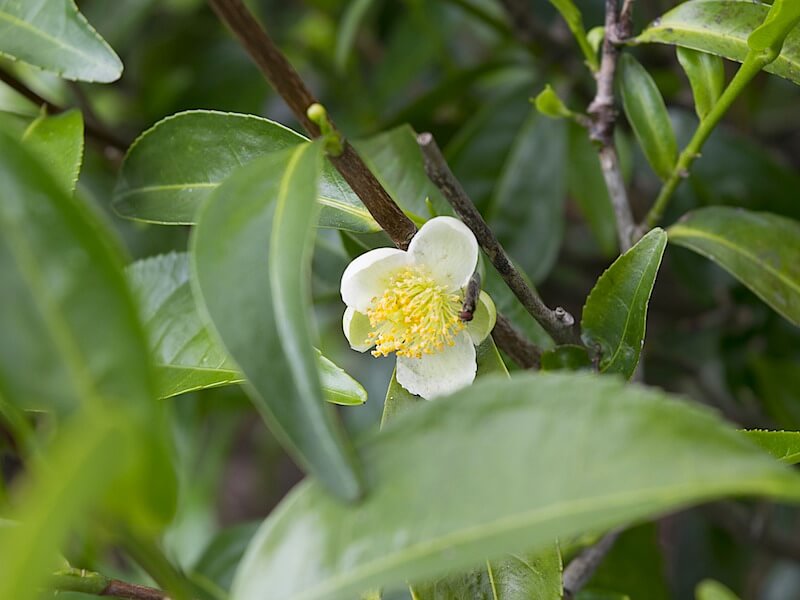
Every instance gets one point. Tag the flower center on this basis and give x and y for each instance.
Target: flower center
(414, 316)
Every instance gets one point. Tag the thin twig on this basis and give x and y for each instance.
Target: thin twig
(298, 97)
(604, 115)
(471, 296)
(93, 129)
(558, 323)
(87, 582)
(578, 572)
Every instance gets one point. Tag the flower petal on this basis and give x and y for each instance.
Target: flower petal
(448, 249)
(483, 319)
(439, 374)
(368, 276)
(357, 328)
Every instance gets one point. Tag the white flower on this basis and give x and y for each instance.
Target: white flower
(409, 303)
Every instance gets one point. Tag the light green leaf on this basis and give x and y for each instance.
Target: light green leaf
(572, 15)
(173, 166)
(53, 35)
(527, 577)
(722, 27)
(706, 75)
(615, 313)
(187, 356)
(590, 192)
(709, 589)
(783, 445)
(57, 141)
(219, 559)
(550, 105)
(251, 268)
(71, 331)
(760, 249)
(486, 471)
(83, 460)
(647, 114)
(782, 17)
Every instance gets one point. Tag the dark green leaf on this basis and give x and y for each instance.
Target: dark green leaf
(177, 163)
(57, 141)
(252, 270)
(760, 249)
(706, 75)
(569, 358)
(615, 313)
(722, 27)
(783, 445)
(53, 35)
(590, 192)
(647, 114)
(528, 206)
(222, 555)
(187, 356)
(354, 14)
(487, 471)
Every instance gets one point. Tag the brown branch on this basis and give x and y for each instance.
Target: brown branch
(604, 115)
(93, 129)
(87, 582)
(578, 572)
(558, 323)
(298, 97)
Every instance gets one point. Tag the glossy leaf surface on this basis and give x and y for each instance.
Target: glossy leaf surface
(783, 445)
(511, 483)
(647, 114)
(761, 250)
(58, 143)
(722, 27)
(53, 35)
(177, 163)
(187, 355)
(615, 313)
(706, 75)
(251, 252)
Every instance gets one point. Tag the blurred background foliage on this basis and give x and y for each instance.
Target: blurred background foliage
(464, 70)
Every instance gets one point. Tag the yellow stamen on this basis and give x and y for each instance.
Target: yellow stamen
(414, 316)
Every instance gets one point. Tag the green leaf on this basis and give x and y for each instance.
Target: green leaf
(760, 249)
(528, 577)
(590, 192)
(709, 589)
(569, 358)
(706, 75)
(615, 313)
(783, 445)
(84, 459)
(354, 14)
(491, 464)
(187, 356)
(782, 17)
(173, 166)
(53, 35)
(251, 267)
(574, 19)
(57, 141)
(647, 114)
(220, 558)
(722, 27)
(550, 105)
(528, 206)
(71, 332)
